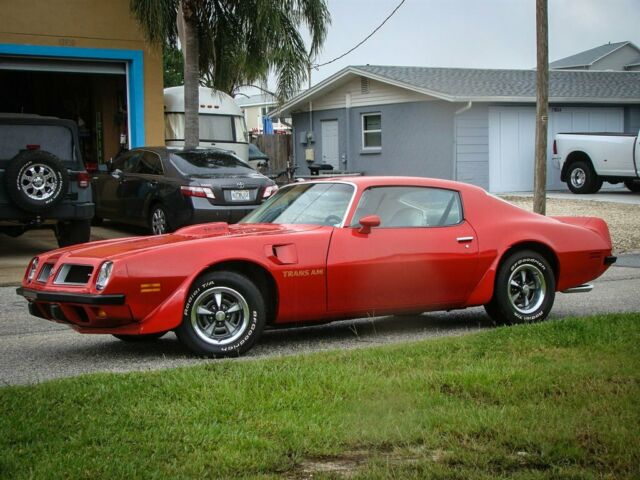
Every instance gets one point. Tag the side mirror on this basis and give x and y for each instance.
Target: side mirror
(368, 222)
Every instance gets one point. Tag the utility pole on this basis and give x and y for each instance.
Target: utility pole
(542, 108)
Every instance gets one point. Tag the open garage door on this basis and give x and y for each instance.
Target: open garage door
(512, 141)
(92, 93)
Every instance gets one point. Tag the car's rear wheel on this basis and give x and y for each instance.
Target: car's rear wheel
(158, 220)
(224, 315)
(72, 232)
(582, 179)
(524, 289)
(147, 337)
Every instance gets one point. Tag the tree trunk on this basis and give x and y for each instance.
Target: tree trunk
(542, 100)
(191, 74)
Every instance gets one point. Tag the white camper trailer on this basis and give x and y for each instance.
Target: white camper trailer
(222, 123)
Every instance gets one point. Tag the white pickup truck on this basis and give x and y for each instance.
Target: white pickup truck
(586, 160)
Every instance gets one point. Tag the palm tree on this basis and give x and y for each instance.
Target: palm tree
(235, 42)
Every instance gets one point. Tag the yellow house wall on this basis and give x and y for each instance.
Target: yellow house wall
(90, 24)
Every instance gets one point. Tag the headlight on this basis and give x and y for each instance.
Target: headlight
(33, 266)
(103, 275)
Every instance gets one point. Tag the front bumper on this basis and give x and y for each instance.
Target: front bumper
(82, 311)
(80, 299)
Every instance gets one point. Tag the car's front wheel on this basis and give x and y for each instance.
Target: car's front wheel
(633, 185)
(524, 289)
(224, 315)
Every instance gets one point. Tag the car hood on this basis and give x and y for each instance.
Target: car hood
(118, 248)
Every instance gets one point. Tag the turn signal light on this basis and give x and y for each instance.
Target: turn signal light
(203, 192)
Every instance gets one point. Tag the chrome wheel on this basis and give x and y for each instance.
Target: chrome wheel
(527, 289)
(220, 315)
(578, 177)
(38, 182)
(158, 222)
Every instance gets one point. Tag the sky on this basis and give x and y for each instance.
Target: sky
(470, 33)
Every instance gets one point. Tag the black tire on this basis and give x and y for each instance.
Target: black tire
(147, 337)
(633, 185)
(582, 179)
(524, 290)
(72, 232)
(224, 315)
(158, 220)
(36, 180)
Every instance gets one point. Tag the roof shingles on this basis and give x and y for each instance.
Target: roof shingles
(463, 83)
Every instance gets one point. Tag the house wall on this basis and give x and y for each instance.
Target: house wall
(90, 24)
(617, 60)
(378, 94)
(632, 119)
(417, 139)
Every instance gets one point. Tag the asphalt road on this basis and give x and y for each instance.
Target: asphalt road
(34, 350)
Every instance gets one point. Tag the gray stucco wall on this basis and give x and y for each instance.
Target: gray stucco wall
(417, 139)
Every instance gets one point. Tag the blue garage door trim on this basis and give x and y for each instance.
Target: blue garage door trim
(134, 59)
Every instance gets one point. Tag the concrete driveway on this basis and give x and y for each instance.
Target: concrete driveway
(15, 253)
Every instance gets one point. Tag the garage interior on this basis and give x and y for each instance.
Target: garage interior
(91, 93)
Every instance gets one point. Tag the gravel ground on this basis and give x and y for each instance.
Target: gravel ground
(623, 220)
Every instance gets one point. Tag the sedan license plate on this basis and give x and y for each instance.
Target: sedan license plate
(240, 196)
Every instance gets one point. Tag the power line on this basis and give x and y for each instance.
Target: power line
(364, 40)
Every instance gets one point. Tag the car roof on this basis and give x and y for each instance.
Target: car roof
(365, 182)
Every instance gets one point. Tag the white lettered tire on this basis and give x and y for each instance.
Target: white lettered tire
(224, 315)
(524, 289)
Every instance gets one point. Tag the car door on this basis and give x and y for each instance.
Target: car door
(422, 256)
(108, 203)
(140, 185)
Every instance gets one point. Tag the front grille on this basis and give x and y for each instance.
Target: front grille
(45, 272)
(73, 274)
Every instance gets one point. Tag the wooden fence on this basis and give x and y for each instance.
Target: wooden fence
(278, 148)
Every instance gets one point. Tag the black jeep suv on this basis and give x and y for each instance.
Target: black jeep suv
(43, 181)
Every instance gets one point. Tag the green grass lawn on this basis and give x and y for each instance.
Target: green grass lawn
(559, 399)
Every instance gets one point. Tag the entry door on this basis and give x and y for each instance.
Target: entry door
(330, 149)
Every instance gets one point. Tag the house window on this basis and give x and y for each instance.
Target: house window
(371, 131)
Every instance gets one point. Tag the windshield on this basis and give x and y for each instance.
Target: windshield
(305, 203)
(209, 162)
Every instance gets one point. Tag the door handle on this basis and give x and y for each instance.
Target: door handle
(464, 239)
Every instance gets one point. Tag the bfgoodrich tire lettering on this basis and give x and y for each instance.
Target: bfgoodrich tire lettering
(524, 289)
(224, 315)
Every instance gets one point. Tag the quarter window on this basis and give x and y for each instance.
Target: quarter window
(410, 207)
(371, 131)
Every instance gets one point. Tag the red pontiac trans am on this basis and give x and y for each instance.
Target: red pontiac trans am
(319, 251)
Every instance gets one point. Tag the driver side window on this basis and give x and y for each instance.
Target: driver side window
(402, 207)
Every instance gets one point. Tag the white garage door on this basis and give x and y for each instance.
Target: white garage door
(512, 133)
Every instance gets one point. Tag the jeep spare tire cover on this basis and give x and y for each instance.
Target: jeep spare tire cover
(36, 180)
